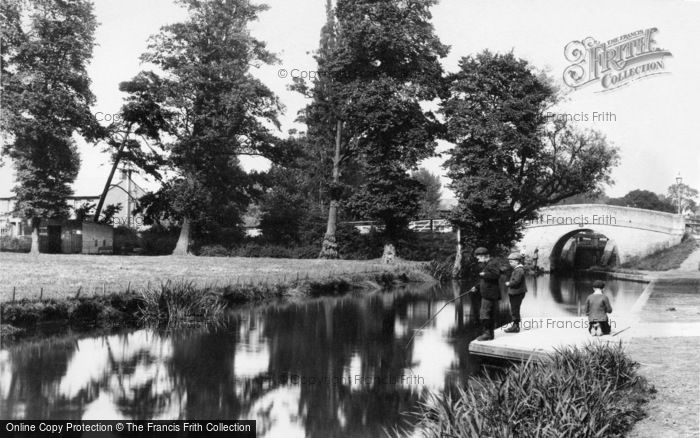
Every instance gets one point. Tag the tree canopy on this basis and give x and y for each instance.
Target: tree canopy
(430, 196)
(381, 62)
(644, 199)
(206, 110)
(509, 159)
(45, 48)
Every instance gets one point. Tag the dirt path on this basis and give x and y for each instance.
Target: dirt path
(692, 263)
(671, 364)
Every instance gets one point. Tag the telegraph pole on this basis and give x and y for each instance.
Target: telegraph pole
(679, 181)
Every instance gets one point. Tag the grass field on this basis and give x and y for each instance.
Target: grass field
(61, 275)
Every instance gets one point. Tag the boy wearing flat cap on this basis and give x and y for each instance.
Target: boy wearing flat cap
(597, 309)
(490, 291)
(516, 290)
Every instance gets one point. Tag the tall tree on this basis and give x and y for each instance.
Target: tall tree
(384, 61)
(508, 159)
(211, 110)
(430, 195)
(323, 136)
(687, 194)
(46, 46)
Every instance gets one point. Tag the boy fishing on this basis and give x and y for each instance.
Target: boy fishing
(489, 290)
(597, 309)
(516, 290)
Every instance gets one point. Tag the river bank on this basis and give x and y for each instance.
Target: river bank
(177, 300)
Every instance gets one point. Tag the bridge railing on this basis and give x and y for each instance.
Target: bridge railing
(421, 226)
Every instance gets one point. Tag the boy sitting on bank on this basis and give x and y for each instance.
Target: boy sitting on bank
(597, 309)
(516, 290)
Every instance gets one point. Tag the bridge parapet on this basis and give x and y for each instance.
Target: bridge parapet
(633, 232)
(596, 215)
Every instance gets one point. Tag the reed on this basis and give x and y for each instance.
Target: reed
(591, 392)
(180, 303)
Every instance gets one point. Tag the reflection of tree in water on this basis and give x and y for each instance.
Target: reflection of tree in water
(138, 398)
(35, 370)
(60, 379)
(202, 366)
(237, 371)
(319, 341)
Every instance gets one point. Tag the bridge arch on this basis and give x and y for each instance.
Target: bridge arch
(630, 232)
(566, 252)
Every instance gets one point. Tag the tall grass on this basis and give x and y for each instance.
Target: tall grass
(590, 392)
(180, 303)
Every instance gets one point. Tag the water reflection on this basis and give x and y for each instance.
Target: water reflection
(328, 367)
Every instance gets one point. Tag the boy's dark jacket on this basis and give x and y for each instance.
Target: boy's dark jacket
(488, 286)
(516, 284)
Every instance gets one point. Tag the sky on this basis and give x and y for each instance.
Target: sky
(654, 121)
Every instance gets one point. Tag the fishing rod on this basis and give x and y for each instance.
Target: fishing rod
(617, 333)
(436, 314)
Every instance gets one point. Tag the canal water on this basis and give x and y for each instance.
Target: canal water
(329, 367)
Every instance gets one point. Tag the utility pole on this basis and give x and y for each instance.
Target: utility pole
(679, 181)
(128, 197)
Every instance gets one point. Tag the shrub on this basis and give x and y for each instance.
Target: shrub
(355, 246)
(275, 251)
(126, 240)
(214, 251)
(15, 244)
(332, 286)
(22, 313)
(87, 310)
(159, 241)
(589, 392)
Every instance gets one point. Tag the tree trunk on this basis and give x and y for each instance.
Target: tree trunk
(329, 248)
(183, 242)
(105, 190)
(35, 236)
(457, 268)
(389, 255)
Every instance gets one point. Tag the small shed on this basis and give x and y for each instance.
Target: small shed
(75, 237)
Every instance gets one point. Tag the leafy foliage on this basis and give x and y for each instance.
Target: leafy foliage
(206, 109)
(84, 211)
(292, 208)
(688, 195)
(378, 60)
(644, 199)
(509, 159)
(430, 196)
(45, 48)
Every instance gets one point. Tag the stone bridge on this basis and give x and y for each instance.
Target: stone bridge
(630, 231)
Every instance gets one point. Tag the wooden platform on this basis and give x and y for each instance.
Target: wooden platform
(539, 337)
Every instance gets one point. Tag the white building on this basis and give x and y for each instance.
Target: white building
(125, 192)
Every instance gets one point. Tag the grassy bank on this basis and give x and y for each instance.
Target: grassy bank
(589, 392)
(59, 276)
(185, 302)
(664, 260)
